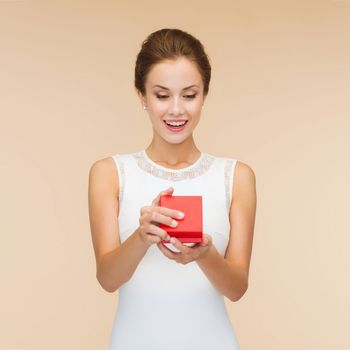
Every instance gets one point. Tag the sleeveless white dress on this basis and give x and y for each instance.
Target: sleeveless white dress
(166, 305)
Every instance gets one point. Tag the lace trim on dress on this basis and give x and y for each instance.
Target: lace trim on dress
(175, 174)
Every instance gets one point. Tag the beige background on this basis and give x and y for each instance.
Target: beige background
(278, 100)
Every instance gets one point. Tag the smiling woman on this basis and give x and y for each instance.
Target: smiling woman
(173, 103)
(177, 288)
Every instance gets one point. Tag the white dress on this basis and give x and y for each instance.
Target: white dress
(166, 305)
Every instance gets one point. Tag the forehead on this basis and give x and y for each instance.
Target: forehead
(180, 71)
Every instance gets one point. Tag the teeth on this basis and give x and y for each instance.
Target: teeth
(176, 124)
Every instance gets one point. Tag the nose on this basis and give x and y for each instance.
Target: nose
(176, 107)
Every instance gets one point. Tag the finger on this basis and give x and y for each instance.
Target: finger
(157, 231)
(171, 212)
(160, 218)
(166, 251)
(155, 201)
(145, 209)
(206, 240)
(177, 244)
(153, 238)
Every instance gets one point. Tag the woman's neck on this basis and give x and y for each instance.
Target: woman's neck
(173, 155)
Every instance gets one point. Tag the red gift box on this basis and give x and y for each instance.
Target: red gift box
(190, 228)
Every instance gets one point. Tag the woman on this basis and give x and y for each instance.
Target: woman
(171, 296)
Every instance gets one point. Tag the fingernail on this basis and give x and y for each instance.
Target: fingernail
(173, 223)
(172, 240)
(180, 215)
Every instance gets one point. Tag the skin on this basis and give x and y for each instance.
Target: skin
(173, 150)
(228, 274)
(116, 262)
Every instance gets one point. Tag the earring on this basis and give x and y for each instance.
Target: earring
(144, 107)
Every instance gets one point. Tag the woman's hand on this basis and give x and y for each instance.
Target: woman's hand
(187, 254)
(151, 216)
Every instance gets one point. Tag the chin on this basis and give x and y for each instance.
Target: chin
(174, 140)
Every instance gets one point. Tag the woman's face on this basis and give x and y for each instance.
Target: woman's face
(174, 92)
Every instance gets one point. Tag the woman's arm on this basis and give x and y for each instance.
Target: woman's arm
(230, 274)
(115, 262)
(117, 266)
(228, 278)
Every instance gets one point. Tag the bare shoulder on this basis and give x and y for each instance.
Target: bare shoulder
(105, 169)
(244, 179)
(242, 217)
(103, 207)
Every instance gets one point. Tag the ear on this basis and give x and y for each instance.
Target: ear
(141, 97)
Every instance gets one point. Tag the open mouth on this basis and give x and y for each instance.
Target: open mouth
(176, 125)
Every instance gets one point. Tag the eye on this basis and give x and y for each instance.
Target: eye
(166, 96)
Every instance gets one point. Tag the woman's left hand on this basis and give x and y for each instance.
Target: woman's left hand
(187, 254)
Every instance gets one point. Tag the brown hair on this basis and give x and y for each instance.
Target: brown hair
(170, 44)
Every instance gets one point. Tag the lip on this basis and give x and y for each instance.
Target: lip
(175, 120)
(175, 129)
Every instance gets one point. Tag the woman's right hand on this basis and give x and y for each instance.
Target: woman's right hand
(151, 216)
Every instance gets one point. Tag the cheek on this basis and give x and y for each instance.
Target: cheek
(158, 107)
(196, 105)
(196, 108)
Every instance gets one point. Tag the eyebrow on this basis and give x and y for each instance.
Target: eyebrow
(165, 88)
